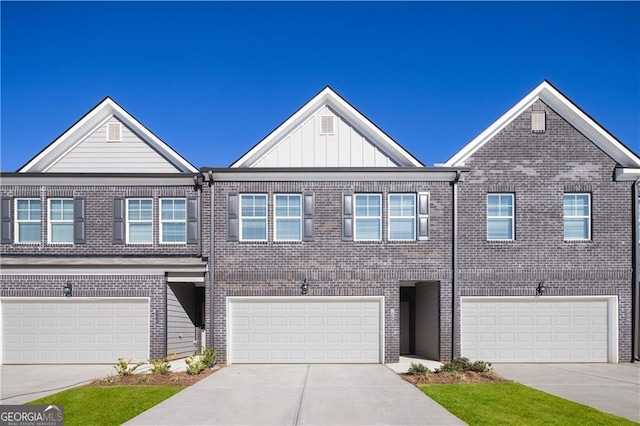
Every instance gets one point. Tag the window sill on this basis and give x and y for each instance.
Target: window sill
(499, 242)
(577, 241)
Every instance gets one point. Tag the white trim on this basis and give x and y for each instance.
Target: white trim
(249, 299)
(162, 221)
(91, 121)
(612, 319)
(17, 222)
(327, 97)
(567, 110)
(128, 220)
(49, 233)
(265, 217)
(588, 217)
(627, 174)
(276, 217)
(414, 217)
(355, 215)
(512, 217)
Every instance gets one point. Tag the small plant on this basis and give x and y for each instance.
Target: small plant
(419, 369)
(480, 366)
(194, 366)
(124, 367)
(177, 379)
(459, 376)
(143, 378)
(489, 374)
(208, 357)
(107, 380)
(161, 366)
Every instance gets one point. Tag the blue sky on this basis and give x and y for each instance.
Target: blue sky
(212, 79)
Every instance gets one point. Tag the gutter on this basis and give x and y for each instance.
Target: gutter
(454, 267)
(635, 305)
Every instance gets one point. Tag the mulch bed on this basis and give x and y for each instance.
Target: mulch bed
(148, 379)
(448, 377)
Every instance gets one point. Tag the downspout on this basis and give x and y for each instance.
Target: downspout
(635, 306)
(454, 266)
(198, 185)
(211, 254)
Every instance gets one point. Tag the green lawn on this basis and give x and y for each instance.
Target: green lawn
(514, 404)
(109, 405)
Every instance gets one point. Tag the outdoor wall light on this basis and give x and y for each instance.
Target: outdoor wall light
(540, 289)
(304, 287)
(67, 290)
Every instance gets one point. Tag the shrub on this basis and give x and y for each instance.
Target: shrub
(124, 367)
(160, 366)
(194, 366)
(480, 366)
(419, 369)
(208, 357)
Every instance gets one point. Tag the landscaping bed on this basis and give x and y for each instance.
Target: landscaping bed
(180, 378)
(460, 370)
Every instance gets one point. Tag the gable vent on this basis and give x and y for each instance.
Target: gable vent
(538, 122)
(114, 132)
(326, 125)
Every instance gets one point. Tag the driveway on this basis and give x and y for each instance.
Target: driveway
(24, 383)
(299, 394)
(613, 388)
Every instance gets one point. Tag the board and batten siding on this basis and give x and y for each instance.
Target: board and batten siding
(94, 154)
(306, 146)
(180, 328)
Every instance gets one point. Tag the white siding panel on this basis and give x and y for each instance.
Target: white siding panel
(95, 154)
(180, 328)
(68, 331)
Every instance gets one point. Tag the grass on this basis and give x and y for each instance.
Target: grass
(514, 404)
(110, 405)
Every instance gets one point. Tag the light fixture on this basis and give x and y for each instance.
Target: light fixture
(304, 287)
(540, 289)
(67, 290)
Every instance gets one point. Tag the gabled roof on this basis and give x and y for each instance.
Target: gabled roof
(327, 97)
(75, 134)
(567, 110)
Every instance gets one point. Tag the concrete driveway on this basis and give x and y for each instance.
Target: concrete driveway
(613, 388)
(24, 383)
(299, 394)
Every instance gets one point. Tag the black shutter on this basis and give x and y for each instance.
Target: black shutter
(232, 217)
(193, 214)
(423, 216)
(118, 221)
(79, 223)
(347, 217)
(308, 213)
(6, 215)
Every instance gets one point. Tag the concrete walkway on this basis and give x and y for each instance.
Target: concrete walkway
(299, 394)
(612, 388)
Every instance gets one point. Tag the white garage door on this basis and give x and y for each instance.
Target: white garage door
(543, 329)
(305, 329)
(73, 330)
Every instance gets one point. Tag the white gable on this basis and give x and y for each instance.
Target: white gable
(88, 147)
(567, 110)
(327, 132)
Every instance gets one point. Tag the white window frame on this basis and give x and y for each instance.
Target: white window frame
(356, 217)
(276, 217)
(129, 220)
(119, 131)
(581, 217)
(413, 216)
(51, 222)
(264, 218)
(511, 217)
(19, 221)
(163, 221)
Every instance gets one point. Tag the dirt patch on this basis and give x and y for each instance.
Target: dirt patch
(148, 379)
(446, 377)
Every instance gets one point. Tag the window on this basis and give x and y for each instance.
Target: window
(114, 132)
(61, 220)
(577, 216)
(368, 217)
(500, 217)
(173, 220)
(28, 220)
(402, 217)
(253, 217)
(287, 217)
(139, 221)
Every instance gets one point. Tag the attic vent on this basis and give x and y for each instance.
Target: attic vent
(538, 122)
(326, 125)
(114, 132)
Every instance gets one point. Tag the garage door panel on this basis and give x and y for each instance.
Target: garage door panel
(305, 330)
(74, 330)
(540, 330)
